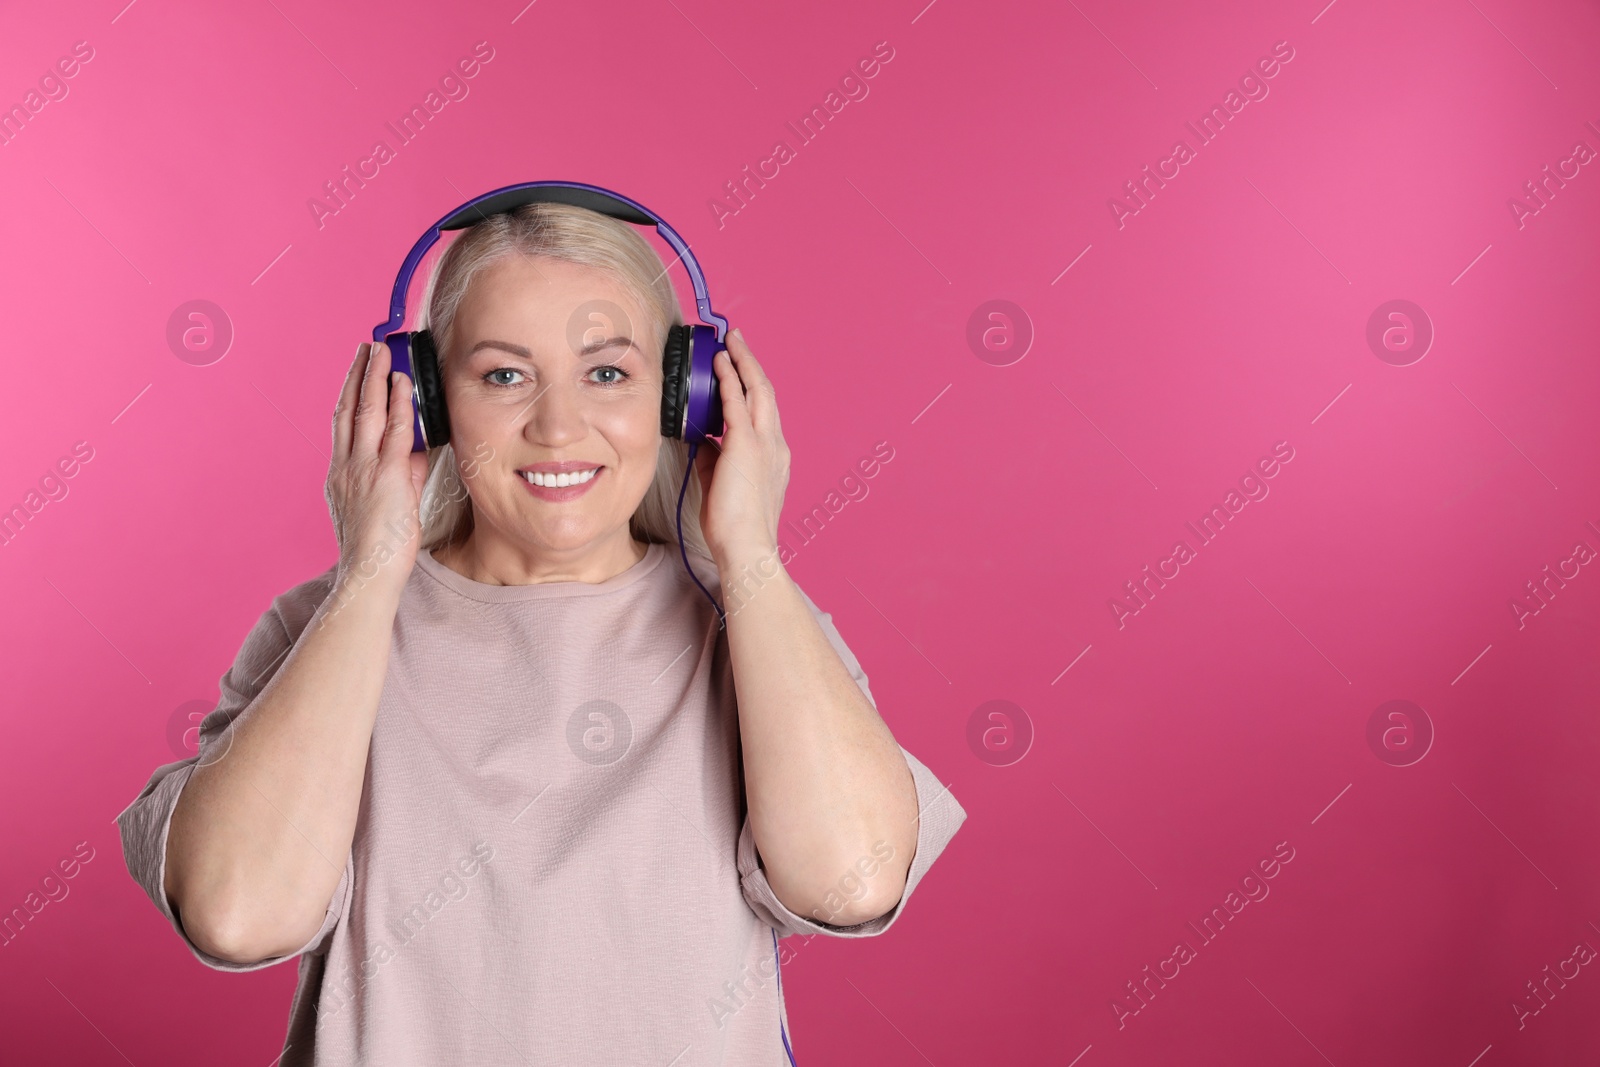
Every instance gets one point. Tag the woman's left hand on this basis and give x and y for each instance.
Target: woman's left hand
(742, 483)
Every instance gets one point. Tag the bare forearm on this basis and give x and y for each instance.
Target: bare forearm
(826, 782)
(261, 830)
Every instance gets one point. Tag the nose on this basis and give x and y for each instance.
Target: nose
(556, 417)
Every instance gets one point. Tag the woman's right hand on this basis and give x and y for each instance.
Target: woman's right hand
(374, 486)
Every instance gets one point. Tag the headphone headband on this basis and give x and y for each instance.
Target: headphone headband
(511, 197)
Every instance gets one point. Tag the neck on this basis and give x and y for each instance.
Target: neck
(494, 560)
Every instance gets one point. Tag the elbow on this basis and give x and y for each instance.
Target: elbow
(874, 905)
(234, 935)
(221, 936)
(849, 901)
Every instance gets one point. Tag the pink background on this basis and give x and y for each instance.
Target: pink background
(1229, 715)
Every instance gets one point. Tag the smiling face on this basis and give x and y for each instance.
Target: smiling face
(547, 370)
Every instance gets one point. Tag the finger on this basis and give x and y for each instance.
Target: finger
(372, 408)
(735, 407)
(419, 472)
(397, 436)
(705, 462)
(761, 394)
(745, 360)
(344, 409)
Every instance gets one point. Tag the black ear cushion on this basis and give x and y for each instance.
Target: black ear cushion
(430, 390)
(674, 380)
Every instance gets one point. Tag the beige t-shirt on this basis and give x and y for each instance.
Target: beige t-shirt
(553, 862)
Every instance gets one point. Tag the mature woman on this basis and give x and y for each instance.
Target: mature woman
(500, 777)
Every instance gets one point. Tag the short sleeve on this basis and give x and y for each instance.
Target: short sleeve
(145, 823)
(939, 816)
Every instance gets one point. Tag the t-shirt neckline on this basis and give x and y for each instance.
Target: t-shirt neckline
(500, 594)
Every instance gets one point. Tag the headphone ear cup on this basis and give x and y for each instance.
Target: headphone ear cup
(429, 389)
(399, 344)
(702, 392)
(674, 380)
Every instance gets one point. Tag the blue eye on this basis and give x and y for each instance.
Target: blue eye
(611, 367)
(490, 377)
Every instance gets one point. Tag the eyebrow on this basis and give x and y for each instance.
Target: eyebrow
(589, 349)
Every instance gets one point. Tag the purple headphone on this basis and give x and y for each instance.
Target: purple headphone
(691, 402)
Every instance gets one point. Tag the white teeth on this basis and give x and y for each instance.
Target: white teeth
(556, 481)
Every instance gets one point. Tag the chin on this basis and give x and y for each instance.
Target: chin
(564, 537)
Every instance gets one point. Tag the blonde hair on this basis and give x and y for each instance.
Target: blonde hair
(587, 238)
